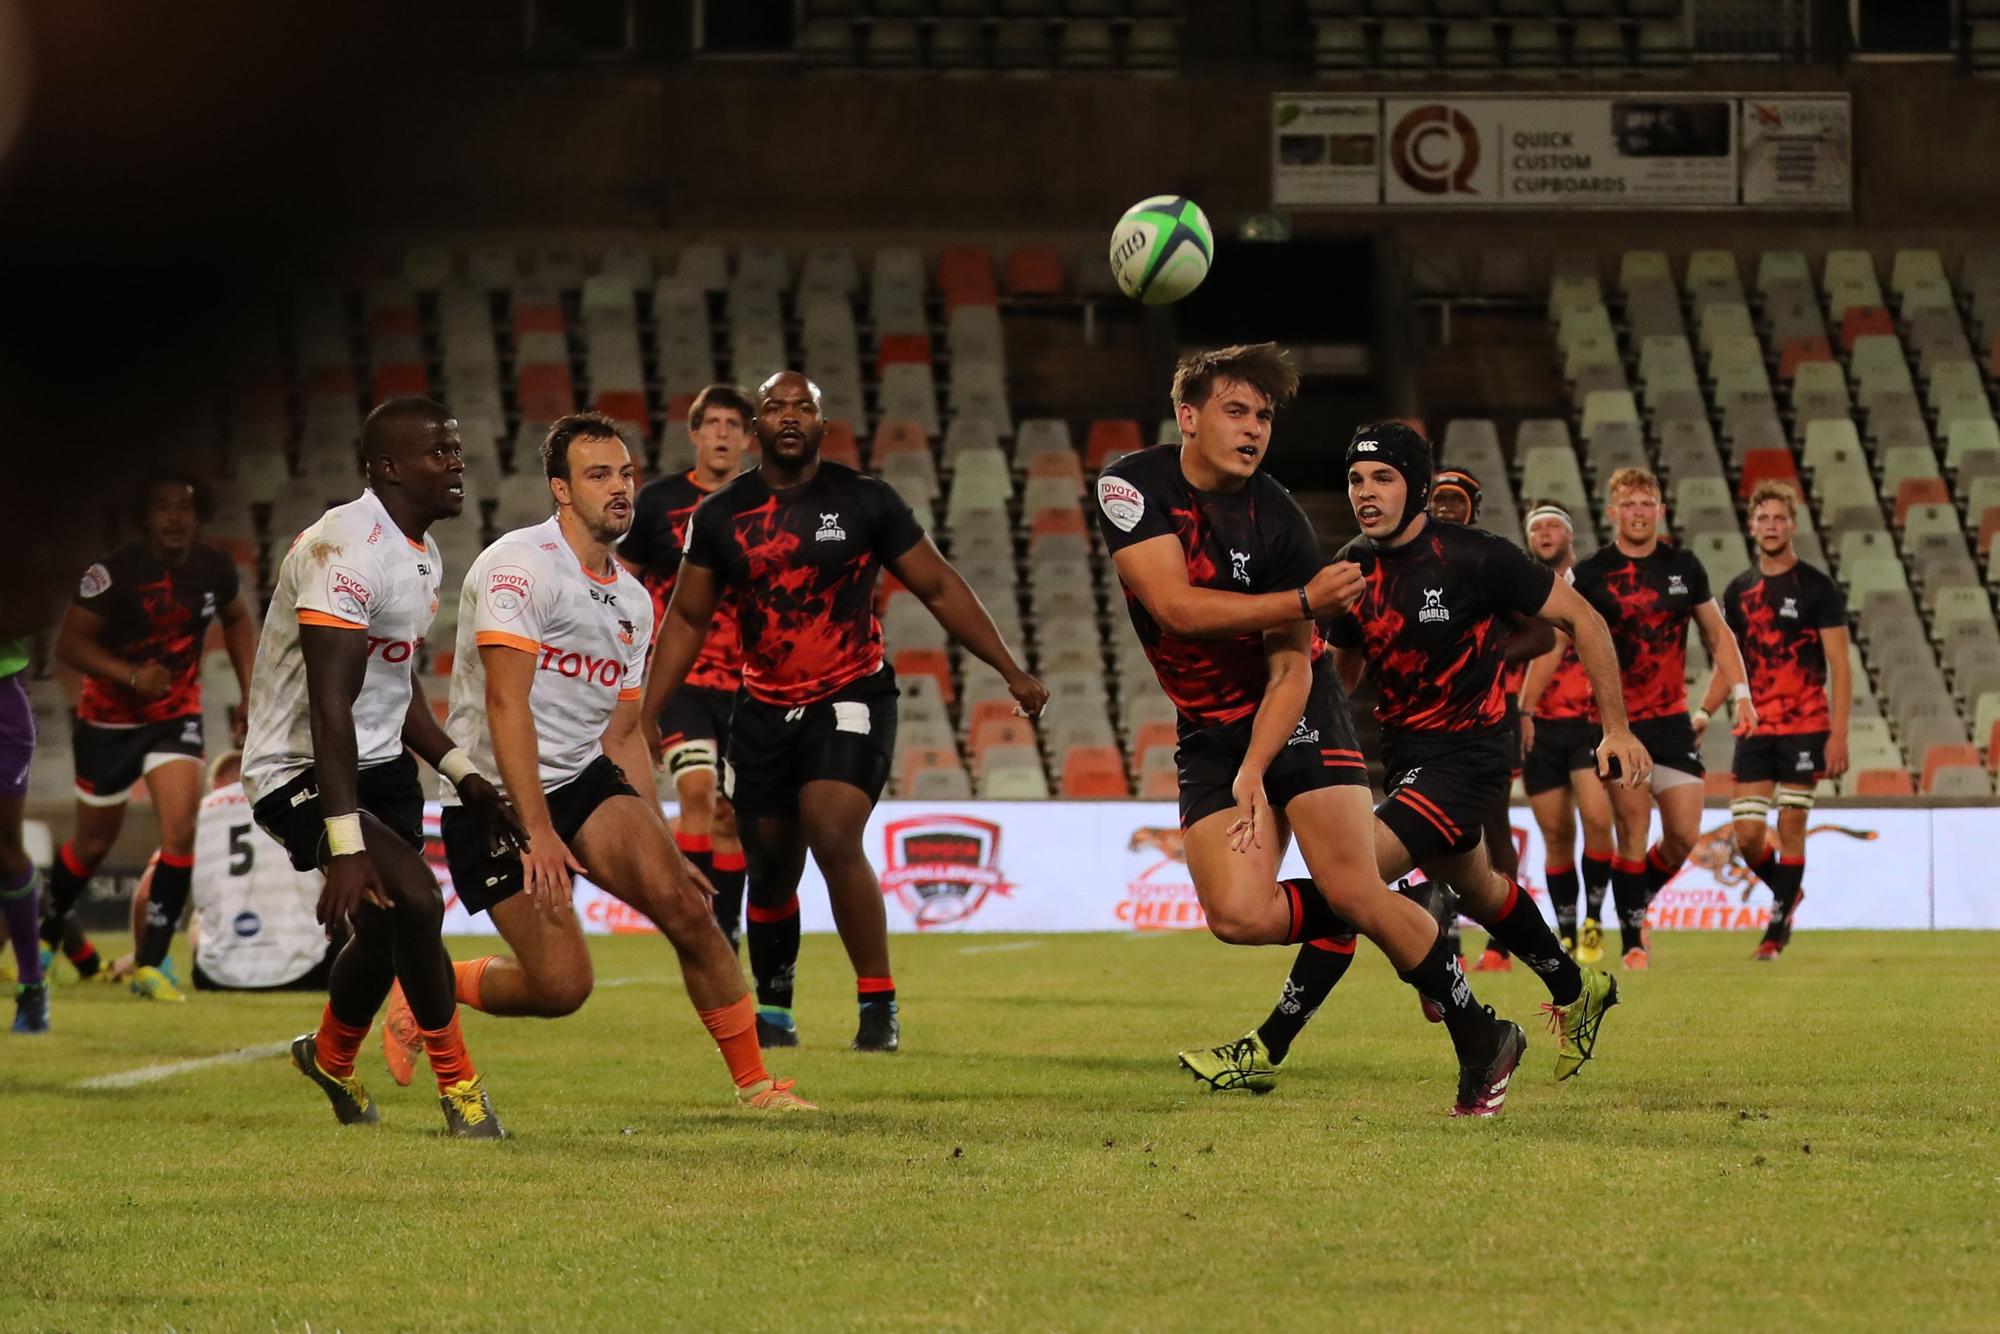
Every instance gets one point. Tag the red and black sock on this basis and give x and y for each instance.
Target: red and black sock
(1562, 893)
(1658, 872)
(1440, 979)
(1318, 967)
(1519, 926)
(1596, 879)
(774, 949)
(68, 877)
(727, 877)
(1628, 892)
(875, 990)
(1312, 917)
(173, 874)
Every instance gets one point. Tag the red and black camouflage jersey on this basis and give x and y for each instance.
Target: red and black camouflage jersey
(803, 564)
(1647, 601)
(153, 613)
(1434, 621)
(1255, 540)
(659, 530)
(1568, 697)
(1777, 620)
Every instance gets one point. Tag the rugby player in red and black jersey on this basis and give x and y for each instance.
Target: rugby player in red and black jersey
(1648, 590)
(135, 631)
(1455, 498)
(1790, 620)
(1224, 581)
(800, 541)
(694, 729)
(1559, 733)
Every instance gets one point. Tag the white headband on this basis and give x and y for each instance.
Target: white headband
(1556, 512)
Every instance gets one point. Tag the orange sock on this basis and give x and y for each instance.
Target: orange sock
(468, 977)
(450, 1061)
(335, 1044)
(734, 1028)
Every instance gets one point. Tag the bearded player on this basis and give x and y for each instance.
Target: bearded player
(799, 541)
(336, 709)
(545, 690)
(1791, 621)
(1224, 582)
(1560, 732)
(694, 731)
(1648, 590)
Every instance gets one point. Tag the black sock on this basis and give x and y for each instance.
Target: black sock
(63, 886)
(1787, 880)
(1658, 872)
(774, 949)
(171, 880)
(875, 990)
(1439, 979)
(1315, 970)
(1596, 879)
(727, 876)
(1562, 894)
(1519, 926)
(1313, 918)
(1628, 891)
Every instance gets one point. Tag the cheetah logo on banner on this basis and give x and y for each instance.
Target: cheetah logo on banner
(941, 868)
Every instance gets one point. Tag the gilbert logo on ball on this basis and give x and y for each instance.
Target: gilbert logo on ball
(1161, 249)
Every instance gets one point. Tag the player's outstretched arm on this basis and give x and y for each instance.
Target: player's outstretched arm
(336, 660)
(1729, 675)
(944, 592)
(1840, 678)
(1566, 610)
(546, 861)
(1156, 572)
(1287, 683)
(682, 629)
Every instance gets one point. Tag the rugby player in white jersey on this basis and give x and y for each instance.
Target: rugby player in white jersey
(545, 691)
(335, 711)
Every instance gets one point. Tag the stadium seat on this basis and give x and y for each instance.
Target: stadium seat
(933, 663)
(1761, 465)
(1109, 440)
(1098, 772)
(1882, 783)
(1944, 756)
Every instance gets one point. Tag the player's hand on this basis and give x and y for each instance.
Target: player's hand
(1527, 735)
(697, 879)
(351, 880)
(152, 681)
(1251, 811)
(1336, 588)
(1621, 756)
(1836, 755)
(496, 815)
(1030, 695)
(1746, 717)
(546, 867)
(649, 728)
(239, 728)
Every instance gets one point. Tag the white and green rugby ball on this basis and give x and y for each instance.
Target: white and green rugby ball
(1161, 249)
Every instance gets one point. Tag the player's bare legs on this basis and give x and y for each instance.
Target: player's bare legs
(1779, 862)
(549, 974)
(833, 816)
(176, 789)
(90, 840)
(627, 849)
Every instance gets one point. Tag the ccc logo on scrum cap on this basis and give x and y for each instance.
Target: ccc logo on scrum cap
(1435, 150)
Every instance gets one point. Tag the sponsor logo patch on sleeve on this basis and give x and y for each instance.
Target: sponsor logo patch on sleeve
(507, 591)
(1121, 502)
(347, 592)
(95, 580)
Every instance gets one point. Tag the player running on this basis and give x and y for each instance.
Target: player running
(1648, 590)
(1791, 622)
(335, 710)
(545, 690)
(135, 631)
(799, 541)
(1455, 498)
(694, 730)
(25, 607)
(1224, 580)
(1559, 731)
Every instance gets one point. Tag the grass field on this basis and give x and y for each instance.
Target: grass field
(1811, 1143)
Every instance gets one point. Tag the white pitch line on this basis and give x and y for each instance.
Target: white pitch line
(1002, 948)
(608, 983)
(153, 1074)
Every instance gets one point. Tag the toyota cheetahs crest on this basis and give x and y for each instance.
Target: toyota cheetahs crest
(941, 868)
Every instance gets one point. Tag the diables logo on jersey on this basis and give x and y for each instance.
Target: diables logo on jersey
(830, 529)
(1676, 584)
(507, 590)
(1433, 609)
(95, 580)
(1790, 611)
(1121, 502)
(1302, 735)
(942, 868)
(348, 592)
(1239, 566)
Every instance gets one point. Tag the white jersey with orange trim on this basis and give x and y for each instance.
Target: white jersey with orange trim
(353, 569)
(589, 635)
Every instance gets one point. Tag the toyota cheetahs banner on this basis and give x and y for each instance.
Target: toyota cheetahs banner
(1640, 150)
(1119, 866)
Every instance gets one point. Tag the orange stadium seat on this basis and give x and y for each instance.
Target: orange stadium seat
(841, 444)
(894, 435)
(400, 377)
(1160, 785)
(1989, 524)
(1002, 731)
(679, 408)
(988, 711)
(913, 760)
(903, 349)
(545, 391)
(1056, 519)
(1064, 464)
(1108, 440)
(1034, 271)
(627, 407)
(1150, 735)
(537, 318)
(1094, 772)
(932, 662)
(442, 664)
(1861, 320)
(394, 322)
(1919, 491)
(965, 277)
(1763, 465)
(1940, 754)
(1797, 351)
(1884, 783)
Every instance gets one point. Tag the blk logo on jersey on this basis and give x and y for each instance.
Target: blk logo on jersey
(1239, 566)
(830, 529)
(1434, 609)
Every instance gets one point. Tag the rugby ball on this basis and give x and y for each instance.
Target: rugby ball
(1161, 249)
